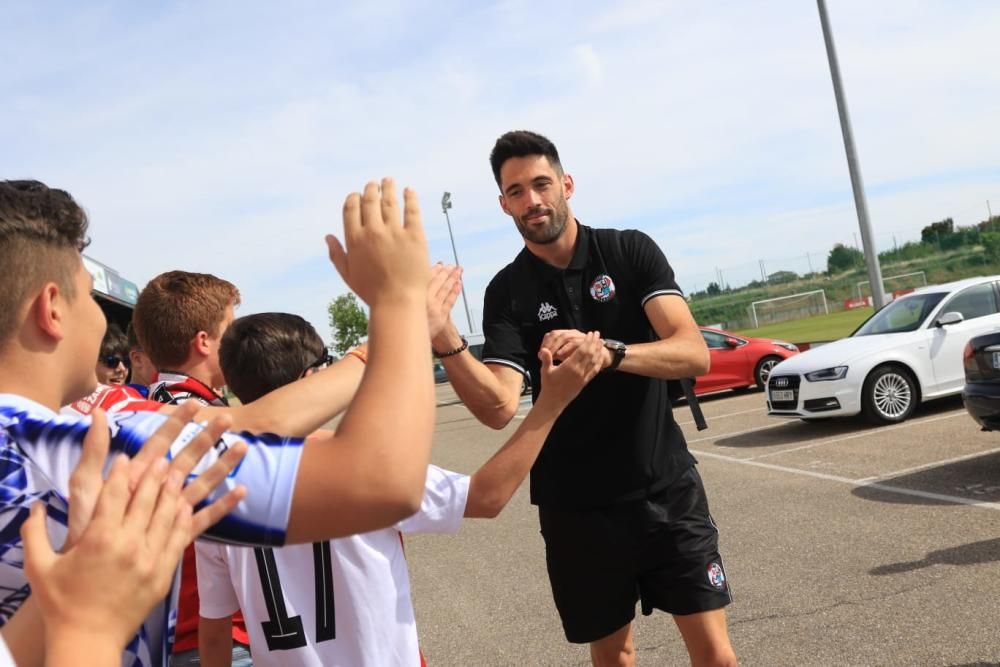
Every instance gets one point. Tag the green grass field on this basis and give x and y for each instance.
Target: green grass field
(813, 329)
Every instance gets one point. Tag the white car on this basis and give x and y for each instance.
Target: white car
(906, 353)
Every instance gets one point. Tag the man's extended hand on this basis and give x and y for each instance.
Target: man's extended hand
(442, 293)
(562, 383)
(382, 257)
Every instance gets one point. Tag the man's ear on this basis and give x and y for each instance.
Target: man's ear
(48, 310)
(503, 204)
(569, 187)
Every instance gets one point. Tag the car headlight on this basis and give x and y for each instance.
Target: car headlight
(835, 373)
(787, 346)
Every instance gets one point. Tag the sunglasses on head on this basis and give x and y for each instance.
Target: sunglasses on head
(325, 360)
(112, 361)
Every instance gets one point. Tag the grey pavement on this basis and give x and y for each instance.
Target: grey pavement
(845, 545)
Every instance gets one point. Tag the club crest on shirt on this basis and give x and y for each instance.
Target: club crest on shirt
(547, 311)
(716, 576)
(602, 289)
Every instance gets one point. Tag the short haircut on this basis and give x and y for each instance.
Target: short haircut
(114, 343)
(262, 352)
(174, 307)
(522, 143)
(42, 232)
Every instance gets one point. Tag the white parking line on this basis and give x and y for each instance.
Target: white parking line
(729, 414)
(896, 427)
(856, 483)
(925, 466)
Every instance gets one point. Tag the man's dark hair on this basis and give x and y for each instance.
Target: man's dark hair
(114, 343)
(42, 232)
(262, 352)
(522, 143)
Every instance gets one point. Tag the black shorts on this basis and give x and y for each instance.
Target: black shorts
(663, 550)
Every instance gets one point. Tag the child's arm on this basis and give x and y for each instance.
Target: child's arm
(493, 485)
(215, 641)
(217, 603)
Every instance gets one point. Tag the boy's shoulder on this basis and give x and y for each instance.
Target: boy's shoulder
(111, 398)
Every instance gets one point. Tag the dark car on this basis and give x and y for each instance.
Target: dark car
(981, 393)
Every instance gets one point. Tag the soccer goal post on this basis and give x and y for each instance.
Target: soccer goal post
(923, 280)
(793, 306)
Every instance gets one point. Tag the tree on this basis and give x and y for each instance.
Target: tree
(842, 258)
(779, 277)
(713, 289)
(348, 322)
(934, 232)
(991, 246)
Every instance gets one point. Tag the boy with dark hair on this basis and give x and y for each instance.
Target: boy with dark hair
(268, 350)
(293, 618)
(50, 333)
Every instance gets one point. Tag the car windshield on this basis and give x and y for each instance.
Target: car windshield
(901, 315)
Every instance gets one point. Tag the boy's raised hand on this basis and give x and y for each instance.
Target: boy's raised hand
(562, 383)
(384, 253)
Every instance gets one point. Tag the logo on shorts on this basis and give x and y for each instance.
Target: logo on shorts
(716, 576)
(547, 311)
(602, 289)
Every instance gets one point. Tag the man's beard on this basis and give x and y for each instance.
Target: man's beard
(549, 231)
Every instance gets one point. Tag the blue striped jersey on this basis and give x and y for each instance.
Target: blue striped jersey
(39, 449)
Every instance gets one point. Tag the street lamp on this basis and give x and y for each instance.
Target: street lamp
(860, 203)
(445, 205)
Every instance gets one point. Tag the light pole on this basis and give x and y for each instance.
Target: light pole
(445, 205)
(867, 238)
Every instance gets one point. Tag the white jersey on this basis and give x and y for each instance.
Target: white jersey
(344, 603)
(39, 449)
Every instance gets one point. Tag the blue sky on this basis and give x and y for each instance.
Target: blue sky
(223, 137)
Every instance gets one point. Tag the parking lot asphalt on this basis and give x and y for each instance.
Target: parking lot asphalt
(845, 544)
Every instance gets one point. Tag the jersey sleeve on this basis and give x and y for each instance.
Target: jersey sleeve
(654, 275)
(501, 329)
(217, 598)
(268, 471)
(443, 505)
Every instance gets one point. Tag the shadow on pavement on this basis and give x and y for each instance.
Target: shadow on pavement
(786, 432)
(975, 553)
(976, 478)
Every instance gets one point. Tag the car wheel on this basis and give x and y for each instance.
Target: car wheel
(763, 370)
(889, 395)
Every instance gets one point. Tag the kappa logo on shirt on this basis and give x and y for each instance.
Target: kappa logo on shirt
(547, 311)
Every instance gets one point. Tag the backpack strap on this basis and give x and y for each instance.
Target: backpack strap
(609, 245)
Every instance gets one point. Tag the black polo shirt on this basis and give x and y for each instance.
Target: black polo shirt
(617, 440)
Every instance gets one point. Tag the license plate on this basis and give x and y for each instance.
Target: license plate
(782, 395)
(996, 360)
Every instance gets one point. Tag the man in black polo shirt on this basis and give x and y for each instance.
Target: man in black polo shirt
(622, 509)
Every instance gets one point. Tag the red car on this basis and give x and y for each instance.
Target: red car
(738, 361)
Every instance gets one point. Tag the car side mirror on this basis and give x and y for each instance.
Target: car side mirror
(949, 318)
(732, 342)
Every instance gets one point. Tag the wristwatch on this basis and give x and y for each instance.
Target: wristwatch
(617, 349)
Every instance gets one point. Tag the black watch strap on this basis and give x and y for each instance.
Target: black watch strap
(617, 349)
